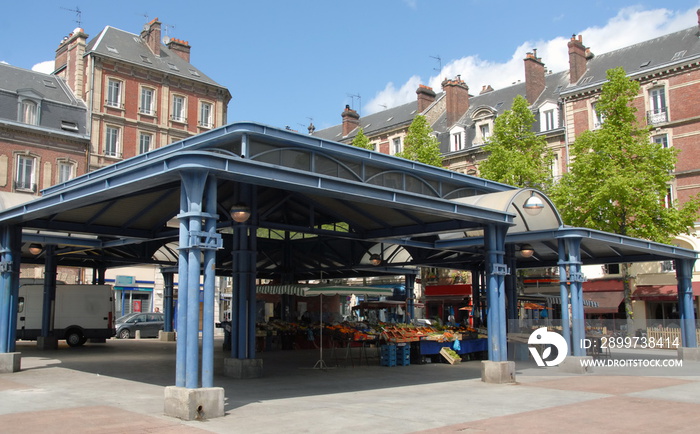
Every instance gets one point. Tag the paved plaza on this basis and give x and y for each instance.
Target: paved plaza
(118, 387)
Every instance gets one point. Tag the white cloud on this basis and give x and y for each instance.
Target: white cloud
(45, 67)
(622, 30)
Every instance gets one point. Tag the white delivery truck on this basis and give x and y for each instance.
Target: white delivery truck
(80, 312)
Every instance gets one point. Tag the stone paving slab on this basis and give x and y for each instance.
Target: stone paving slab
(119, 387)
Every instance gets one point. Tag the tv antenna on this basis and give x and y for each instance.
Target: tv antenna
(78, 14)
(439, 61)
(167, 27)
(353, 102)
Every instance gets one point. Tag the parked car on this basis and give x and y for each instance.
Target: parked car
(147, 323)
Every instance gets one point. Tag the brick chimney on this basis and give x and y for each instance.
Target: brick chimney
(69, 62)
(577, 58)
(151, 35)
(534, 77)
(697, 32)
(180, 47)
(426, 96)
(457, 98)
(350, 120)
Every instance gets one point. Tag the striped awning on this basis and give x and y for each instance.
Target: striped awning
(282, 289)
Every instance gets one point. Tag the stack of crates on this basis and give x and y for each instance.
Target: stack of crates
(403, 355)
(387, 355)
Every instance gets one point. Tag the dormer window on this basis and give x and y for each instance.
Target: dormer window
(30, 112)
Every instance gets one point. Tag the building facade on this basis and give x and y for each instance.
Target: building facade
(141, 90)
(43, 132)
(668, 70)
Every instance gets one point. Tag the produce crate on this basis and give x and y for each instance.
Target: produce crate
(387, 355)
(447, 356)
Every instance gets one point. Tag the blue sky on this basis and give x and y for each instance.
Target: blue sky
(288, 62)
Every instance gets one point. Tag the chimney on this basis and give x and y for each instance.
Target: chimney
(426, 96)
(486, 89)
(577, 58)
(534, 77)
(70, 61)
(151, 35)
(350, 120)
(697, 33)
(457, 98)
(180, 47)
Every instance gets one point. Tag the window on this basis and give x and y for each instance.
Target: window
(30, 112)
(147, 101)
(668, 199)
(657, 106)
(178, 113)
(145, 142)
(457, 141)
(25, 177)
(396, 145)
(66, 171)
(598, 118)
(485, 131)
(611, 268)
(661, 139)
(112, 142)
(114, 93)
(548, 117)
(205, 115)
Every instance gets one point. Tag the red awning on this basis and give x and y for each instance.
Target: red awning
(661, 292)
(603, 285)
(463, 290)
(608, 301)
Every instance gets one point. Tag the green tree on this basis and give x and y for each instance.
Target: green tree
(517, 156)
(361, 141)
(420, 144)
(619, 178)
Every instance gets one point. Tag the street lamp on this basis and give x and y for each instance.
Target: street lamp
(35, 248)
(527, 251)
(375, 259)
(240, 213)
(533, 205)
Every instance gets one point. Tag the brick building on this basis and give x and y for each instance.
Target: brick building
(43, 132)
(668, 70)
(141, 90)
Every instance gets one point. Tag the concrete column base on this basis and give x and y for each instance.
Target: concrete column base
(243, 368)
(497, 372)
(194, 404)
(166, 336)
(10, 362)
(689, 354)
(47, 342)
(574, 365)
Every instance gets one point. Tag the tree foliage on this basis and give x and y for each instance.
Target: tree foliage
(420, 144)
(517, 156)
(361, 141)
(618, 180)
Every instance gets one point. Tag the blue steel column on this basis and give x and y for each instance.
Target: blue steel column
(244, 272)
(494, 237)
(15, 244)
(576, 279)
(564, 295)
(5, 289)
(181, 349)
(209, 281)
(684, 274)
(49, 290)
(168, 284)
(410, 280)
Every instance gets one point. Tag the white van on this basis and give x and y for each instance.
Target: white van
(81, 312)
